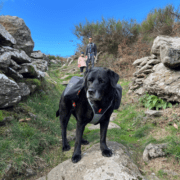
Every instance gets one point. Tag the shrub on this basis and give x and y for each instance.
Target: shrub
(152, 101)
(159, 21)
(107, 34)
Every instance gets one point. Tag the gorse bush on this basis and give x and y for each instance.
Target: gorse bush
(152, 101)
(107, 34)
(159, 20)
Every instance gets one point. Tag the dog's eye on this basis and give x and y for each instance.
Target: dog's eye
(91, 80)
(100, 80)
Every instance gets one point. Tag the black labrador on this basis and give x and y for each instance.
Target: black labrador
(99, 89)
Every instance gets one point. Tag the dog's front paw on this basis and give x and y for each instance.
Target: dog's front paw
(66, 148)
(76, 158)
(107, 153)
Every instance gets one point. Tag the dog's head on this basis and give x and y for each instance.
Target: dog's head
(98, 82)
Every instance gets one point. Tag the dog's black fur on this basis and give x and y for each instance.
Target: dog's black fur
(99, 87)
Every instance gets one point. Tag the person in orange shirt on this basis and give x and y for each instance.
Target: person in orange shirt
(81, 63)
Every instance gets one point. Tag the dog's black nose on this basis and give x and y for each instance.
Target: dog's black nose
(91, 91)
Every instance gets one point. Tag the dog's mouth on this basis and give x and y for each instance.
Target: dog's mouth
(93, 95)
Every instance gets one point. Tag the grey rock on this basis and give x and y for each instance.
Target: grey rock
(53, 61)
(5, 60)
(69, 59)
(65, 76)
(32, 115)
(134, 87)
(140, 91)
(164, 40)
(110, 126)
(170, 56)
(41, 65)
(5, 38)
(32, 87)
(171, 172)
(29, 172)
(8, 132)
(153, 177)
(153, 151)
(18, 56)
(146, 59)
(164, 83)
(139, 61)
(153, 61)
(37, 55)
(29, 70)
(93, 166)
(9, 171)
(113, 116)
(12, 73)
(6, 120)
(21, 33)
(146, 67)
(154, 113)
(70, 62)
(24, 89)
(9, 92)
(14, 65)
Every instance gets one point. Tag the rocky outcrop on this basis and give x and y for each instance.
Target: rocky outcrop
(16, 45)
(20, 32)
(5, 38)
(93, 166)
(159, 73)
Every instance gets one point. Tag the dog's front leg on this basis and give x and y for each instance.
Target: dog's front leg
(77, 149)
(103, 130)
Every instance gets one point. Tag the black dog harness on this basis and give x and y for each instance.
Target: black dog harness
(97, 113)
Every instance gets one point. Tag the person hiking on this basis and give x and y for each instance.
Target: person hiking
(91, 51)
(81, 63)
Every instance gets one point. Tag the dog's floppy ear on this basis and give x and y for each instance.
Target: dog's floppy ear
(113, 77)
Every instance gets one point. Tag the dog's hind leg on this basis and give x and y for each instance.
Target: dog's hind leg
(103, 130)
(65, 114)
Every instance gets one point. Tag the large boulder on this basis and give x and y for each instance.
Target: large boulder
(21, 33)
(168, 50)
(5, 38)
(170, 56)
(9, 92)
(160, 41)
(164, 83)
(94, 166)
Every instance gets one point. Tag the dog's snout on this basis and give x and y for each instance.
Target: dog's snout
(91, 91)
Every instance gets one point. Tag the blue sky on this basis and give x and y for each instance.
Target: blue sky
(51, 22)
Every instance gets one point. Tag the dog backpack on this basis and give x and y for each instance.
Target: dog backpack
(118, 96)
(73, 88)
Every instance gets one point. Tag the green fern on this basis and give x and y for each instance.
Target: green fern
(152, 101)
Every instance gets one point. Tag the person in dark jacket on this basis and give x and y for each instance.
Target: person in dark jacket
(91, 51)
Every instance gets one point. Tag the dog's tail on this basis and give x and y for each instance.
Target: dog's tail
(57, 113)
